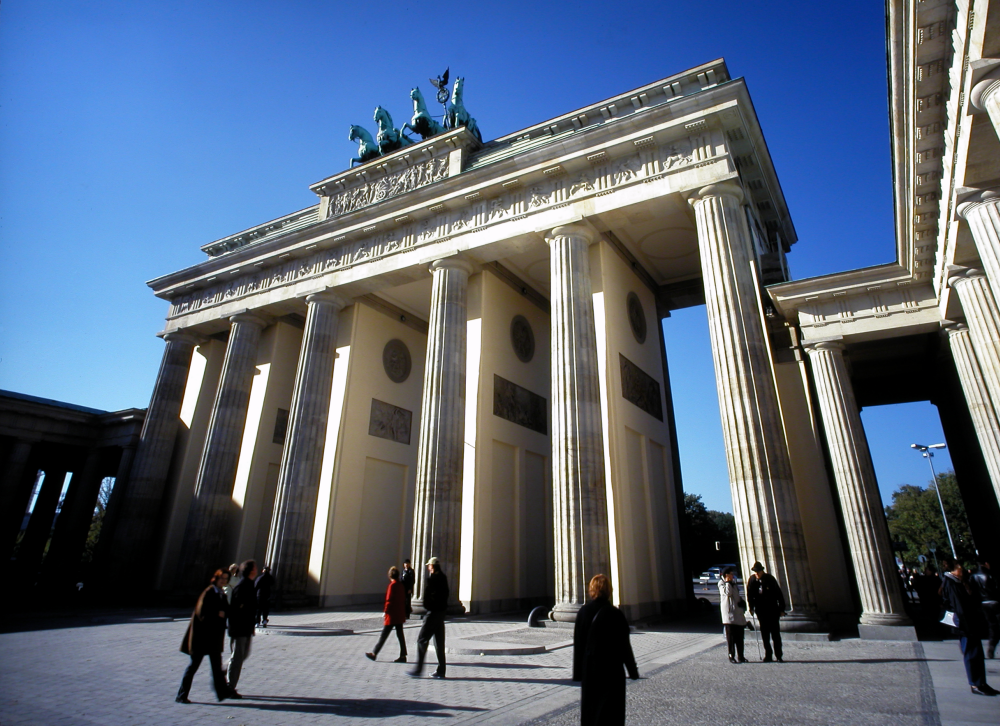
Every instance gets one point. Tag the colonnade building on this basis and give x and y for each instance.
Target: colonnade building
(458, 352)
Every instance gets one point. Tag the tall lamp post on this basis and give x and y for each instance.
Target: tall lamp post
(926, 452)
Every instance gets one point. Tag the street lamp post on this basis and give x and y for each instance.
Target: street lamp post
(926, 452)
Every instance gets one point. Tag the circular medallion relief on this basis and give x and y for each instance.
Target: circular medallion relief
(522, 338)
(636, 317)
(396, 360)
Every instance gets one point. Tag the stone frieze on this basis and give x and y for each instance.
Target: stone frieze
(519, 405)
(640, 388)
(393, 185)
(644, 165)
(390, 422)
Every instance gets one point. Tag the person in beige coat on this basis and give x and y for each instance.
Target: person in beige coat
(733, 619)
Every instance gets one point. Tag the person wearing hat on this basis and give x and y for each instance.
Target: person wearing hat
(767, 602)
(435, 596)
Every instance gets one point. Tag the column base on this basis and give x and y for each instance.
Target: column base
(565, 612)
(891, 619)
(887, 632)
(803, 622)
(454, 608)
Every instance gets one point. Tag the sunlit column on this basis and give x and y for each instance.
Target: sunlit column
(437, 521)
(981, 316)
(860, 501)
(982, 212)
(579, 496)
(290, 541)
(764, 501)
(985, 96)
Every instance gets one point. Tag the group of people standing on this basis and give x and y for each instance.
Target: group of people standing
(766, 603)
(236, 607)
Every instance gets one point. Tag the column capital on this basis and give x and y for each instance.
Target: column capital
(985, 86)
(722, 189)
(329, 298)
(958, 274)
(975, 200)
(570, 230)
(953, 327)
(452, 263)
(814, 346)
(181, 336)
(247, 317)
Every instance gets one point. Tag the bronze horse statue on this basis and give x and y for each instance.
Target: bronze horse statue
(389, 138)
(422, 123)
(367, 148)
(457, 114)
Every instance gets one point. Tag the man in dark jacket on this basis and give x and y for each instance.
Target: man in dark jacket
(970, 624)
(263, 586)
(408, 578)
(767, 602)
(242, 614)
(989, 594)
(206, 634)
(436, 604)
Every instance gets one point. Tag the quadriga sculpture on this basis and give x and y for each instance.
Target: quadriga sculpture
(389, 138)
(422, 123)
(457, 114)
(367, 148)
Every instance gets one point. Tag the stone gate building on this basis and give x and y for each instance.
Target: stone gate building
(457, 351)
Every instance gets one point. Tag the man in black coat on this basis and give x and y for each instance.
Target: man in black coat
(989, 595)
(408, 578)
(242, 616)
(436, 604)
(263, 586)
(767, 602)
(958, 597)
(206, 633)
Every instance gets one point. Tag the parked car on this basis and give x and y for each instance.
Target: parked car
(713, 574)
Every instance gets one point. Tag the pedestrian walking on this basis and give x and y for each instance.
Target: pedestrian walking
(960, 600)
(989, 594)
(206, 634)
(228, 589)
(768, 603)
(733, 619)
(409, 578)
(436, 604)
(263, 586)
(395, 616)
(242, 615)
(602, 652)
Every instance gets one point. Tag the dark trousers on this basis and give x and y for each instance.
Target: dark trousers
(433, 627)
(975, 666)
(991, 609)
(218, 675)
(399, 636)
(734, 640)
(263, 610)
(770, 630)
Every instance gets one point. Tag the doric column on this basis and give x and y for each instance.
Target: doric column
(764, 502)
(981, 316)
(860, 502)
(113, 512)
(290, 540)
(32, 546)
(437, 521)
(73, 522)
(977, 397)
(985, 96)
(579, 494)
(212, 504)
(15, 490)
(982, 212)
(140, 507)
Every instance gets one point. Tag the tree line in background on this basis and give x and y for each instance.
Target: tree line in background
(705, 527)
(915, 522)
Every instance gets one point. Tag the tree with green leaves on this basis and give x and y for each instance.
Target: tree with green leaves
(915, 520)
(705, 527)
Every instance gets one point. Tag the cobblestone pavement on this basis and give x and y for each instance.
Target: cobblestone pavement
(128, 673)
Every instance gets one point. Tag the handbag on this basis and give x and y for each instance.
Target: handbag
(949, 619)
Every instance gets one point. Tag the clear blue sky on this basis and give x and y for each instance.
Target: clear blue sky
(132, 132)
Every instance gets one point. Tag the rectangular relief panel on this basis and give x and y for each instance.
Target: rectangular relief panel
(519, 405)
(640, 388)
(390, 422)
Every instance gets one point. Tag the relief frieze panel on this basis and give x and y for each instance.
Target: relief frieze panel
(516, 404)
(390, 422)
(393, 185)
(640, 388)
(644, 165)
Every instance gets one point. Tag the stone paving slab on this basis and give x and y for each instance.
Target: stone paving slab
(128, 673)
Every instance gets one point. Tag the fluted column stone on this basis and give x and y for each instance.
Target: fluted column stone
(985, 96)
(140, 506)
(857, 487)
(113, 513)
(765, 505)
(212, 505)
(981, 316)
(982, 213)
(579, 494)
(74, 520)
(32, 546)
(977, 398)
(437, 521)
(290, 541)
(15, 489)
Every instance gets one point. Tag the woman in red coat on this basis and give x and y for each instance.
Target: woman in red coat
(395, 616)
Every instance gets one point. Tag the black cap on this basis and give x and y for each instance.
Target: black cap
(757, 567)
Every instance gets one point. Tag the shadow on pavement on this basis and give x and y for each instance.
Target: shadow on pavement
(356, 707)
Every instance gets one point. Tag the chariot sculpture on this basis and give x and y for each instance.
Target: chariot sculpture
(389, 138)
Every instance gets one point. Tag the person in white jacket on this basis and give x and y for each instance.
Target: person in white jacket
(732, 614)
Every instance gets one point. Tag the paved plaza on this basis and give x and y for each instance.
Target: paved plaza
(126, 670)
